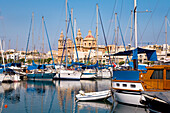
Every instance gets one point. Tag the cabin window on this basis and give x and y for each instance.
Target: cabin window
(124, 85)
(133, 86)
(168, 74)
(117, 84)
(157, 74)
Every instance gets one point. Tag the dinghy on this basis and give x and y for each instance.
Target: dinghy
(91, 96)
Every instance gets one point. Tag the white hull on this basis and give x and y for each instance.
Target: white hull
(133, 99)
(1, 77)
(93, 95)
(89, 74)
(68, 74)
(128, 92)
(16, 78)
(12, 78)
(104, 73)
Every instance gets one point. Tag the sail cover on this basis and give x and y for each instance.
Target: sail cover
(151, 54)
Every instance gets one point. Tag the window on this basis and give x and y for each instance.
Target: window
(133, 86)
(85, 44)
(89, 44)
(157, 74)
(117, 84)
(124, 85)
(168, 74)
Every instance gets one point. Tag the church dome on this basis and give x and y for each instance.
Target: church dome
(89, 36)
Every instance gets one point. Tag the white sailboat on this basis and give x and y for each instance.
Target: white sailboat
(101, 73)
(89, 74)
(65, 73)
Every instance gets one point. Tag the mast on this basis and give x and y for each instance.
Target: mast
(2, 53)
(72, 33)
(17, 43)
(115, 35)
(135, 13)
(33, 31)
(43, 38)
(66, 35)
(75, 33)
(166, 36)
(135, 61)
(75, 27)
(131, 28)
(9, 44)
(97, 9)
(43, 33)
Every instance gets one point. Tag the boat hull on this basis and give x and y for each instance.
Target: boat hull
(128, 92)
(104, 74)
(88, 76)
(68, 75)
(41, 76)
(1, 77)
(94, 96)
(126, 97)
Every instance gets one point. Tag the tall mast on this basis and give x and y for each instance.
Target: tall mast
(131, 28)
(75, 27)
(72, 33)
(115, 34)
(166, 35)
(17, 43)
(135, 61)
(75, 32)
(2, 53)
(97, 9)
(66, 34)
(135, 13)
(43, 34)
(32, 30)
(9, 47)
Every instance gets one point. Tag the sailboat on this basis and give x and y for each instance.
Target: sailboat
(101, 72)
(40, 72)
(128, 85)
(69, 74)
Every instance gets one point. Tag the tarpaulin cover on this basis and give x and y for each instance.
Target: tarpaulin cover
(151, 54)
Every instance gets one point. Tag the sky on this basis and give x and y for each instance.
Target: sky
(15, 19)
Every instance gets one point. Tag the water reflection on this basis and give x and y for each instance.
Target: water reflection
(122, 108)
(56, 96)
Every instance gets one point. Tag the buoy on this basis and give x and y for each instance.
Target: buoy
(6, 106)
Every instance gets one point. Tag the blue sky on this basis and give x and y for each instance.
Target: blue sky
(15, 16)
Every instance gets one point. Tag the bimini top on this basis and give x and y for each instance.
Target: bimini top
(151, 54)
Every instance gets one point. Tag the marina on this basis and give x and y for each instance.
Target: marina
(122, 69)
(56, 96)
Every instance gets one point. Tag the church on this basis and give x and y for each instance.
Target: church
(86, 48)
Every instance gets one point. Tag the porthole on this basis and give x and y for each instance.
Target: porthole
(133, 86)
(124, 85)
(117, 84)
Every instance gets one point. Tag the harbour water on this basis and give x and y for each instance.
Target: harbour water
(57, 97)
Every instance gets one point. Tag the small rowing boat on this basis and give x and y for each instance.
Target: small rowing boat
(91, 96)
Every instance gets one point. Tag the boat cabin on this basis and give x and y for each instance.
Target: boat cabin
(156, 77)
